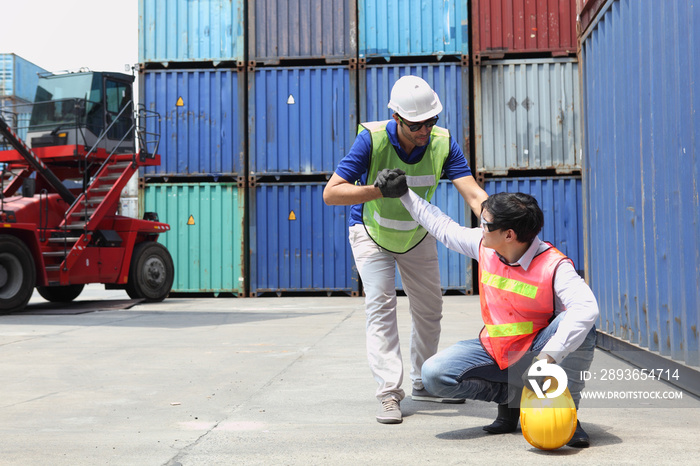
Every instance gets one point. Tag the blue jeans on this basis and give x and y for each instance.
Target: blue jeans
(465, 370)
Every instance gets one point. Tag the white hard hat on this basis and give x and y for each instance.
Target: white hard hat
(413, 99)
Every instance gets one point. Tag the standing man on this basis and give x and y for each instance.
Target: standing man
(383, 235)
(533, 303)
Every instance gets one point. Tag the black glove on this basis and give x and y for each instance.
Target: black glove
(392, 183)
(387, 174)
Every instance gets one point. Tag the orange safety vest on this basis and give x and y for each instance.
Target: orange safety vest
(515, 304)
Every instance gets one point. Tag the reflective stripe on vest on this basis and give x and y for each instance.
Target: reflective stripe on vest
(386, 220)
(420, 181)
(406, 225)
(508, 284)
(401, 225)
(515, 303)
(509, 330)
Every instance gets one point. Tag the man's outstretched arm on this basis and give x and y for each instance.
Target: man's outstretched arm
(453, 235)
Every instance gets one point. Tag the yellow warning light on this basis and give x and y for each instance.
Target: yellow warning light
(62, 135)
(190, 221)
(292, 216)
(180, 102)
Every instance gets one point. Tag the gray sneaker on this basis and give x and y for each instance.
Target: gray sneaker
(423, 395)
(389, 411)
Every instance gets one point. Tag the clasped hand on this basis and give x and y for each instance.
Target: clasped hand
(391, 182)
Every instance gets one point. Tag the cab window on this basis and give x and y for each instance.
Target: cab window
(117, 96)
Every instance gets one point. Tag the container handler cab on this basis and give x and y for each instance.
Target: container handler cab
(62, 231)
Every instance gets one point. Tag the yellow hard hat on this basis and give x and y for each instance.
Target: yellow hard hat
(547, 423)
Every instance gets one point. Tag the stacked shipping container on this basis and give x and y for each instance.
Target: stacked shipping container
(18, 78)
(560, 201)
(510, 27)
(274, 118)
(430, 39)
(302, 30)
(527, 109)
(192, 73)
(412, 28)
(18, 81)
(302, 115)
(641, 176)
(450, 81)
(253, 131)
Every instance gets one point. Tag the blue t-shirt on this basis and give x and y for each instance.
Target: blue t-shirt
(354, 166)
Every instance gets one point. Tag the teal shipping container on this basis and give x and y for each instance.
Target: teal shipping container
(297, 242)
(402, 28)
(172, 31)
(455, 268)
(18, 78)
(207, 234)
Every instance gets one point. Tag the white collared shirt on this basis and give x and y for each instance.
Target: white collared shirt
(571, 293)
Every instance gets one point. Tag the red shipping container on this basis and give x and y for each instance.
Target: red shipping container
(586, 11)
(501, 27)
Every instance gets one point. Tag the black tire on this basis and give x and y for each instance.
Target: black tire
(60, 294)
(17, 274)
(151, 272)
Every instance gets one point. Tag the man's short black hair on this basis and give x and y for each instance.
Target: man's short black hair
(516, 211)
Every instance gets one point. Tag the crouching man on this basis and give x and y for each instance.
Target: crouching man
(533, 303)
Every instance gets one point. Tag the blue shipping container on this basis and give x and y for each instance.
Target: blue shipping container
(191, 30)
(297, 242)
(18, 77)
(302, 120)
(202, 121)
(560, 201)
(296, 29)
(449, 80)
(413, 28)
(641, 172)
(455, 268)
(17, 114)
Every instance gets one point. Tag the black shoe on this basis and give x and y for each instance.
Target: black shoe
(580, 438)
(506, 421)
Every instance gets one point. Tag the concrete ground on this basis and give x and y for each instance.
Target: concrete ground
(271, 381)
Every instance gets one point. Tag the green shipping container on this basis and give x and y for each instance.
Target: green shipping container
(206, 237)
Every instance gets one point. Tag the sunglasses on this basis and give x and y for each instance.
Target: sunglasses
(488, 226)
(417, 126)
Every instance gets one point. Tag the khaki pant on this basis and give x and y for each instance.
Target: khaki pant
(420, 275)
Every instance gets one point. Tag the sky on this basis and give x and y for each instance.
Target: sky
(66, 35)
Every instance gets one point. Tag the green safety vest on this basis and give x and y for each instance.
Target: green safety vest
(386, 220)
